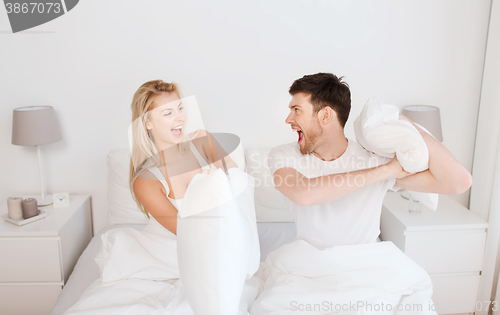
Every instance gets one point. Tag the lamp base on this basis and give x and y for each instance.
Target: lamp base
(47, 201)
(414, 205)
(404, 194)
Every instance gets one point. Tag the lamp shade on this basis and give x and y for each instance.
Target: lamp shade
(426, 116)
(35, 125)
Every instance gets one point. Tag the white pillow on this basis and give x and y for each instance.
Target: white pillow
(218, 249)
(378, 129)
(238, 156)
(270, 203)
(122, 208)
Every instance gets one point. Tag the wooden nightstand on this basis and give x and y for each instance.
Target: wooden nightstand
(448, 243)
(37, 258)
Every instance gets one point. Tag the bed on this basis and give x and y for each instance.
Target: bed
(293, 277)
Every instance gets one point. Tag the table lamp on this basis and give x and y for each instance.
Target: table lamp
(36, 125)
(426, 116)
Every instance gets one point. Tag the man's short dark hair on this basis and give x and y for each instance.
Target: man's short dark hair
(326, 90)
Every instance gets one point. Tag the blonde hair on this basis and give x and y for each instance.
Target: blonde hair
(144, 153)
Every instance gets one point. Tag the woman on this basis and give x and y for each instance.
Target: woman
(217, 243)
(161, 143)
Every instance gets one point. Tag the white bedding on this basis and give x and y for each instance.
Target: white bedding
(86, 271)
(292, 279)
(140, 274)
(374, 278)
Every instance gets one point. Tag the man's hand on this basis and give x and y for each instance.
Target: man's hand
(396, 170)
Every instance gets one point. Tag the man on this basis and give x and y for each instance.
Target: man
(334, 187)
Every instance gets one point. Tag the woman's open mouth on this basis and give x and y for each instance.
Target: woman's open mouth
(177, 131)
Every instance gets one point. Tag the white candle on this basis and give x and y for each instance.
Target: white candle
(14, 205)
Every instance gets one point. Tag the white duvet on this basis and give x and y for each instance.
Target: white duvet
(295, 279)
(139, 275)
(374, 278)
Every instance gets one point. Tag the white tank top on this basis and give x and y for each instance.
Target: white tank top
(203, 164)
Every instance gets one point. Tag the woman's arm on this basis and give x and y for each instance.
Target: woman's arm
(219, 152)
(445, 174)
(153, 197)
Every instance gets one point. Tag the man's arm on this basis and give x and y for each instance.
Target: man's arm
(321, 190)
(445, 174)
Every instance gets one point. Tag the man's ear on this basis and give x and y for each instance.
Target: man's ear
(326, 115)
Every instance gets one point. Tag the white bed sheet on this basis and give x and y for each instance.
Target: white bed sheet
(271, 236)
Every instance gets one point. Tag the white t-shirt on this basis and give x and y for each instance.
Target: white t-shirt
(353, 219)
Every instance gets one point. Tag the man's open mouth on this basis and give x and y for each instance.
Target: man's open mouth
(300, 133)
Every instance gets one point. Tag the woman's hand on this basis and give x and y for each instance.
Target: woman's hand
(209, 171)
(403, 117)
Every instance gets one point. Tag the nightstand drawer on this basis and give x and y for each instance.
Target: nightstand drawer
(28, 299)
(447, 252)
(455, 294)
(27, 259)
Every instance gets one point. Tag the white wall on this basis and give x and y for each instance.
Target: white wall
(239, 60)
(485, 198)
